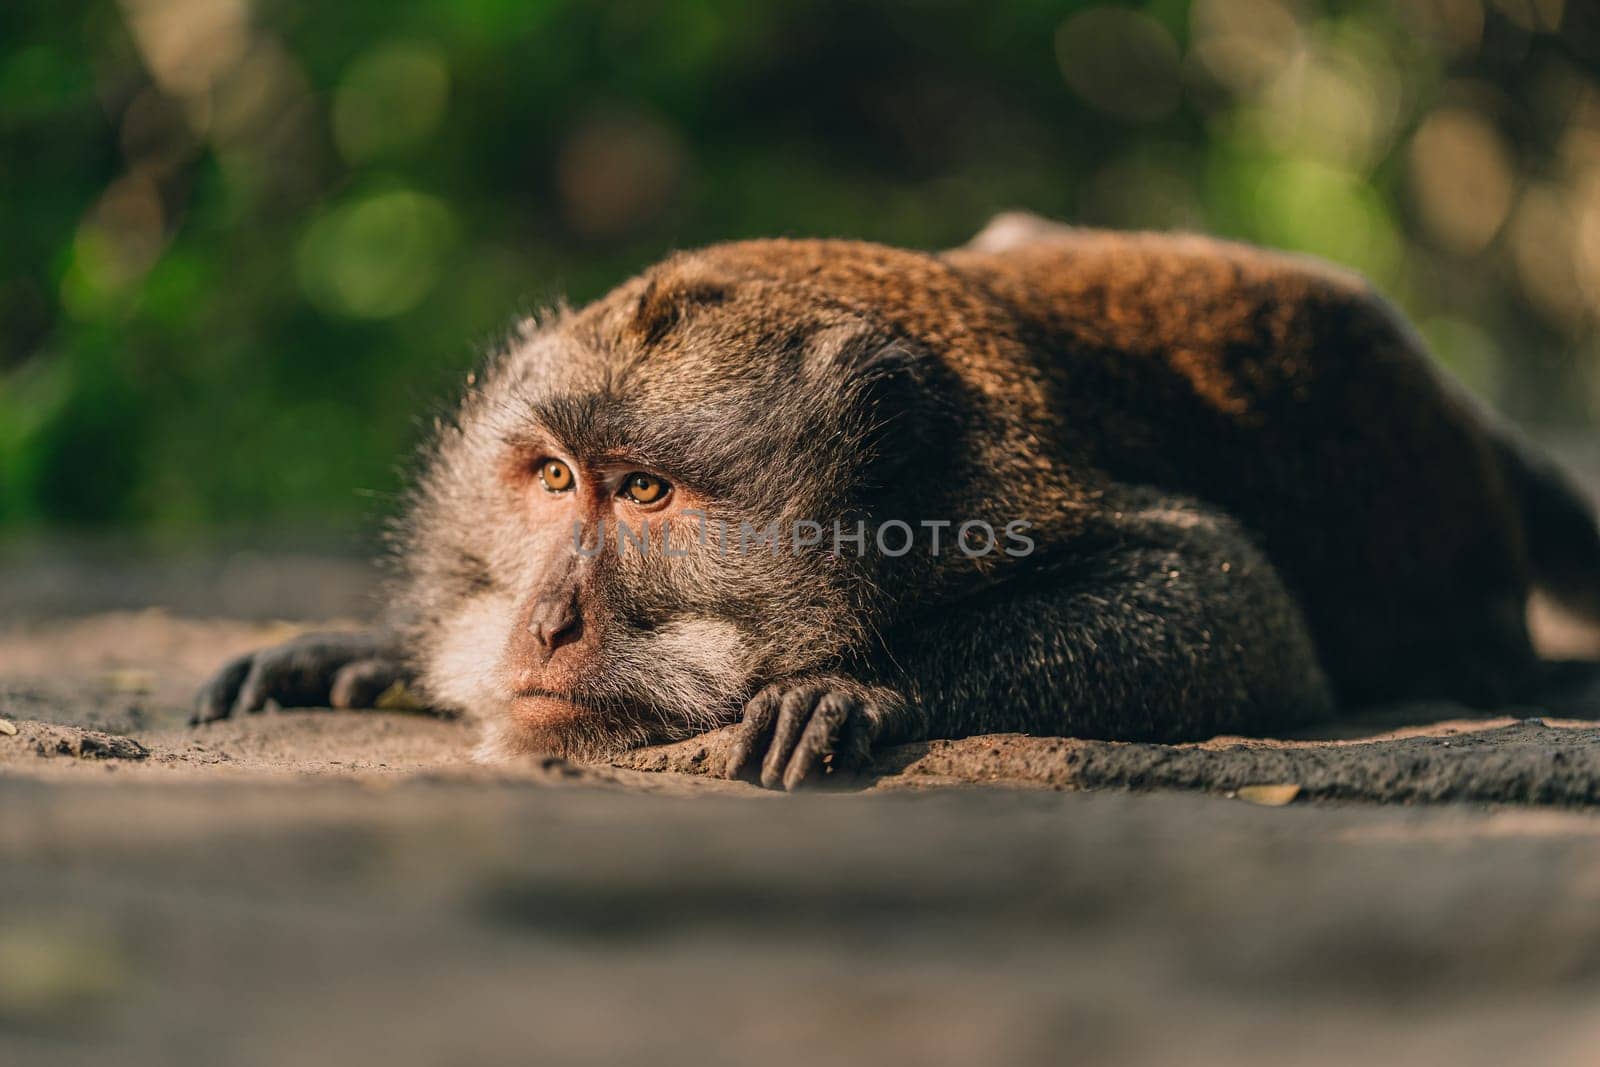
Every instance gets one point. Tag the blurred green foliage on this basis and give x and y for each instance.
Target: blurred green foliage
(247, 246)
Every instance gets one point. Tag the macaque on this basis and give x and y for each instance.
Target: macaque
(1061, 481)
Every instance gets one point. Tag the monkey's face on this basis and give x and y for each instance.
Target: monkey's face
(614, 546)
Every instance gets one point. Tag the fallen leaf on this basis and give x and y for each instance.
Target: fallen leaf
(130, 680)
(1269, 796)
(398, 698)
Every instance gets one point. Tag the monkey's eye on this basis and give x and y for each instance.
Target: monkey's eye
(642, 488)
(556, 476)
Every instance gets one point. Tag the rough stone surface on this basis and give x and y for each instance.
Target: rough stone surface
(313, 886)
(47, 740)
(1498, 761)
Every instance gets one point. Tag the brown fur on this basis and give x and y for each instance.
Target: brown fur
(1249, 493)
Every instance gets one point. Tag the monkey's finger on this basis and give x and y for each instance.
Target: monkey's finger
(793, 714)
(215, 698)
(852, 746)
(751, 735)
(818, 740)
(255, 690)
(297, 674)
(360, 684)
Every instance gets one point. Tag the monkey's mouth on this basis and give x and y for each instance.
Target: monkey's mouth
(546, 707)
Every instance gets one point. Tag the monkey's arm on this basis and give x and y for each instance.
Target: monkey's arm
(1167, 624)
(338, 670)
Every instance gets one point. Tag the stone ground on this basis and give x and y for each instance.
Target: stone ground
(1415, 885)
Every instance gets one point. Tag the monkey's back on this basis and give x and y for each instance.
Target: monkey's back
(1290, 395)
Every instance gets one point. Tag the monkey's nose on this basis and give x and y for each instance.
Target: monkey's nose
(554, 622)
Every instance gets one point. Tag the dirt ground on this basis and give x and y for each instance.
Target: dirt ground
(1416, 885)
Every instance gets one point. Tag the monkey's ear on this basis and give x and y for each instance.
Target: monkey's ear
(860, 354)
(670, 296)
(876, 383)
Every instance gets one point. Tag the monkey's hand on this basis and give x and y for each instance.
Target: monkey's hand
(803, 729)
(338, 670)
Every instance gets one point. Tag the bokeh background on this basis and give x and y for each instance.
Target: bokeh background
(247, 247)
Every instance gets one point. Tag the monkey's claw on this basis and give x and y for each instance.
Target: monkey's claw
(793, 732)
(342, 670)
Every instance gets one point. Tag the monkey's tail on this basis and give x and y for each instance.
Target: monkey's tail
(1563, 539)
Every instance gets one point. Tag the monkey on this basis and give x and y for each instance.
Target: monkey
(1186, 487)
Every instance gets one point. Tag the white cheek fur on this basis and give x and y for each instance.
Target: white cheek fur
(694, 666)
(460, 673)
